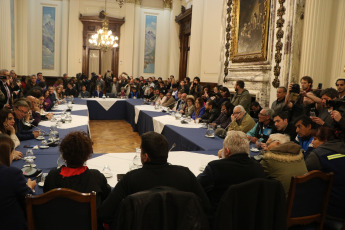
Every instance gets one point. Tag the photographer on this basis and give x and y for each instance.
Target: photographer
(295, 109)
(196, 88)
(324, 108)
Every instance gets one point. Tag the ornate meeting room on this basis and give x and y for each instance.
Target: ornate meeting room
(172, 114)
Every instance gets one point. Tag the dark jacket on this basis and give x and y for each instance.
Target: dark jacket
(174, 209)
(3, 90)
(258, 204)
(330, 157)
(209, 116)
(223, 120)
(88, 181)
(149, 176)
(290, 130)
(12, 198)
(21, 133)
(220, 174)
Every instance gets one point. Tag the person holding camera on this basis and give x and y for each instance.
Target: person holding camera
(196, 89)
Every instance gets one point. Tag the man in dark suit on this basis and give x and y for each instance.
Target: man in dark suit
(156, 171)
(5, 89)
(235, 167)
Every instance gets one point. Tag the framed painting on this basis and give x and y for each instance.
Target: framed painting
(249, 31)
(48, 37)
(150, 43)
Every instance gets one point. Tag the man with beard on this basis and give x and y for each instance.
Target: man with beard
(340, 84)
(242, 96)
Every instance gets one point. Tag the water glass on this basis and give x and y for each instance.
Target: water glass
(107, 171)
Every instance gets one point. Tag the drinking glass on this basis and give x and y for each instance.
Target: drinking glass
(107, 171)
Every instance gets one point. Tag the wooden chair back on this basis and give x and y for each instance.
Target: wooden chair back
(308, 198)
(62, 208)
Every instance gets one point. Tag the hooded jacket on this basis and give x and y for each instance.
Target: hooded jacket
(330, 157)
(284, 161)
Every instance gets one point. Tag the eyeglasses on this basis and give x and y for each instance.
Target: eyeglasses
(236, 112)
(22, 111)
(267, 144)
(260, 114)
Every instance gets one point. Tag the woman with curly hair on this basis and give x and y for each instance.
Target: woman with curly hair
(76, 149)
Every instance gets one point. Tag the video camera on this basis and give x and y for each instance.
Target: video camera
(2, 77)
(336, 104)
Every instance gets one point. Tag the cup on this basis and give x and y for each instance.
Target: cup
(44, 143)
(107, 171)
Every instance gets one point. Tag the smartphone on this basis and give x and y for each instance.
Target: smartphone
(319, 86)
(29, 146)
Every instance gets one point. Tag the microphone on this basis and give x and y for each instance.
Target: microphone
(31, 125)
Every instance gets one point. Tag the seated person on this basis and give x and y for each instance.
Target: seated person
(134, 93)
(59, 93)
(76, 149)
(241, 120)
(305, 128)
(33, 117)
(98, 92)
(161, 98)
(181, 102)
(211, 112)
(21, 108)
(189, 108)
(170, 102)
(122, 92)
(263, 128)
(199, 108)
(52, 95)
(156, 171)
(283, 126)
(329, 156)
(14, 188)
(283, 159)
(44, 115)
(47, 104)
(150, 94)
(255, 109)
(7, 127)
(223, 120)
(71, 91)
(83, 93)
(235, 167)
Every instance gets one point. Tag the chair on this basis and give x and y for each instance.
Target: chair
(255, 204)
(161, 208)
(62, 208)
(110, 95)
(308, 198)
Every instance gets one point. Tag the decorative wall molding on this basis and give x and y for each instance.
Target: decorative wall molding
(167, 4)
(279, 44)
(227, 43)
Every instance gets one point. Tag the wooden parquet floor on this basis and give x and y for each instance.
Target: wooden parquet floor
(113, 136)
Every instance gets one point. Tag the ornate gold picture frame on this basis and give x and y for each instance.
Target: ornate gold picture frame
(249, 30)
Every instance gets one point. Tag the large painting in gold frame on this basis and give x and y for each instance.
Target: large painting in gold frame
(249, 31)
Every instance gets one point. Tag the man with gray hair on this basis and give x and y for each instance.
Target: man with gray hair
(241, 120)
(235, 167)
(283, 159)
(264, 127)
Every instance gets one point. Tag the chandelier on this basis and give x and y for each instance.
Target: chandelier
(120, 2)
(104, 38)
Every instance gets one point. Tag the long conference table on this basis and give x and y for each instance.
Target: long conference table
(192, 149)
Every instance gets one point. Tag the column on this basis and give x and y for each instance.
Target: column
(127, 40)
(22, 32)
(64, 38)
(137, 71)
(5, 38)
(174, 51)
(316, 37)
(194, 64)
